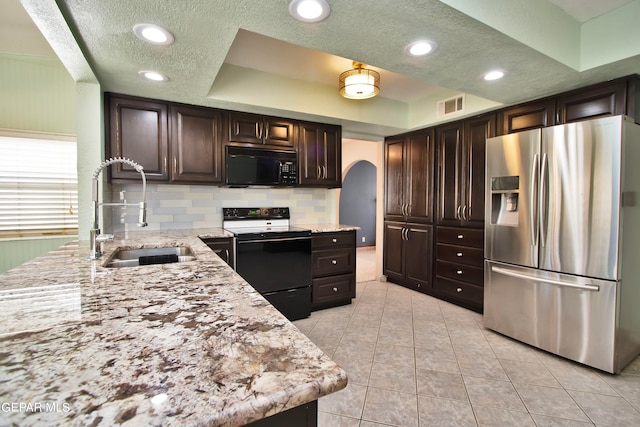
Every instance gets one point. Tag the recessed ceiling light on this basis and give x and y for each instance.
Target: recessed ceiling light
(153, 75)
(420, 48)
(309, 10)
(494, 75)
(153, 34)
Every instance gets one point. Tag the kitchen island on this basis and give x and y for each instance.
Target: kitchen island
(187, 343)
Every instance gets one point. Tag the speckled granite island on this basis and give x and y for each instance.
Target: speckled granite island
(174, 344)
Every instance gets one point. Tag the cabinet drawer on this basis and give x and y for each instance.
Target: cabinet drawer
(332, 289)
(459, 290)
(465, 273)
(461, 236)
(333, 261)
(460, 255)
(331, 240)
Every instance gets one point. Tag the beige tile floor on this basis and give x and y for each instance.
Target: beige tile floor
(413, 360)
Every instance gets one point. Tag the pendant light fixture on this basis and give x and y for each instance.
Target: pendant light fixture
(359, 83)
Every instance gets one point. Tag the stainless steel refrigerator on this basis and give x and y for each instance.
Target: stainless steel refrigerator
(562, 240)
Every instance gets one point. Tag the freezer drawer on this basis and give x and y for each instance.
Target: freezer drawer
(574, 317)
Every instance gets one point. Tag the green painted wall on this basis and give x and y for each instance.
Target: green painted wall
(38, 95)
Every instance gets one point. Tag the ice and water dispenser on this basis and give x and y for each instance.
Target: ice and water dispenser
(505, 200)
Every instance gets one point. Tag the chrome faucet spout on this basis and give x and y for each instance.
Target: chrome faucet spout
(95, 236)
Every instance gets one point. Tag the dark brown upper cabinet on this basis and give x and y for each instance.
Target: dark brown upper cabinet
(319, 155)
(260, 130)
(603, 100)
(138, 130)
(461, 161)
(620, 96)
(409, 177)
(529, 116)
(195, 144)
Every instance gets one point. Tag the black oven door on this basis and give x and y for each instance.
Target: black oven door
(280, 269)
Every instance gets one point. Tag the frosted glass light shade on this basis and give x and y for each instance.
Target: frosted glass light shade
(359, 83)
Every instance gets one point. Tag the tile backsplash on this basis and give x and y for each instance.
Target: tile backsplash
(200, 206)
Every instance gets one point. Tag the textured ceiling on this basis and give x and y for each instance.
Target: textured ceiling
(250, 55)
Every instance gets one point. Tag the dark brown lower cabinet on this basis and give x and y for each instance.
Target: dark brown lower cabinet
(301, 416)
(459, 274)
(408, 253)
(333, 269)
(223, 247)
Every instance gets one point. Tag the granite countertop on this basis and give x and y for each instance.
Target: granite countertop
(328, 227)
(175, 344)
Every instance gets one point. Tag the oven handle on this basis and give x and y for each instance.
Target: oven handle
(286, 239)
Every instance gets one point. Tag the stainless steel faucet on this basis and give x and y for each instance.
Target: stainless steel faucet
(96, 237)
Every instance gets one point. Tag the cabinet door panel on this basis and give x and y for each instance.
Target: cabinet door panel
(138, 131)
(420, 182)
(449, 174)
(332, 153)
(475, 136)
(244, 128)
(195, 145)
(395, 178)
(320, 155)
(393, 250)
(278, 132)
(308, 168)
(418, 255)
(603, 101)
(530, 116)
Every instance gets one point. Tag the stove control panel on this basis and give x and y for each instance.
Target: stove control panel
(255, 213)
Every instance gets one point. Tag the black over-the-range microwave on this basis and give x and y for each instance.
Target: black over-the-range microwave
(250, 166)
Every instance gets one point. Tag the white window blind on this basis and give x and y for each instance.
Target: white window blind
(38, 186)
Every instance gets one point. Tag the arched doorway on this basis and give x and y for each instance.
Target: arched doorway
(358, 201)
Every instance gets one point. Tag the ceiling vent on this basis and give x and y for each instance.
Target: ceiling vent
(451, 105)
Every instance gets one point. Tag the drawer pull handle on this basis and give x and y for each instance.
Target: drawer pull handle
(460, 236)
(419, 285)
(459, 254)
(459, 272)
(459, 290)
(334, 240)
(334, 262)
(335, 289)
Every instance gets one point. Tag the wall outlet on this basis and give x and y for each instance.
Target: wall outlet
(363, 239)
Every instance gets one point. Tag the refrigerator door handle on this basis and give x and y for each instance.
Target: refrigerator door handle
(533, 199)
(507, 272)
(544, 199)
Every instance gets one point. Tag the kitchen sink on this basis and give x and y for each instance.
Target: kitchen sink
(149, 256)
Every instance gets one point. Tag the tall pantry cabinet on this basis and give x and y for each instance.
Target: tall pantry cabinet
(408, 229)
(434, 209)
(459, 248)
